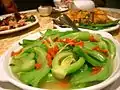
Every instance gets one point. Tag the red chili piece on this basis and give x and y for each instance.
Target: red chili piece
(38, 65)
(92, 39)
(16, 53)
(51, 53)
(96, 70)
(71, 42)
(97, 48)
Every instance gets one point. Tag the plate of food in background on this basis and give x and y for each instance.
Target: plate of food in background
(96, 20)
(16, 22)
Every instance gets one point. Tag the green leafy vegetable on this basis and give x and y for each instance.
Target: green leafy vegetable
(67, 64)
(80, 58)
(31, 19)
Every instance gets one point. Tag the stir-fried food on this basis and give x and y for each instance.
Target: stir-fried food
(15, 21)
(96, 16)
(94, 20)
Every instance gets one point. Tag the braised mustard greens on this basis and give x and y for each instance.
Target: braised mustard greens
(64, 60)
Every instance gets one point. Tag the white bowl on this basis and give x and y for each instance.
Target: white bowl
(83, 4)
(7, 76)
(45, 10)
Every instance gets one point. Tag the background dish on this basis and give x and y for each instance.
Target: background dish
(106, 29)
(18, 28)
(89, 20)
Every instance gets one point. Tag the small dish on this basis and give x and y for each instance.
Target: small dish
(44, 10)
(83, 4)
(60, 6)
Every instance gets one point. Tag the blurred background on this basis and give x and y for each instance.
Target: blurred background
(29, 4)
(33, 4)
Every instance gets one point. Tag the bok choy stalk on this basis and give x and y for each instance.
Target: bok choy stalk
(34, 77)
(64, 63)
(79, 51)
(79, 78)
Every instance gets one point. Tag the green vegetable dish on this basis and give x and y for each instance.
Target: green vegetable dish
(64, 60)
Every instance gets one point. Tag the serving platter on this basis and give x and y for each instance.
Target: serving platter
(4, 58)
(18, 28)
(112, 28)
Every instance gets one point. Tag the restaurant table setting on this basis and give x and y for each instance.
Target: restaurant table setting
(33, 25)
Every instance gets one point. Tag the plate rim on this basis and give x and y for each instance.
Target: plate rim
(18, 28)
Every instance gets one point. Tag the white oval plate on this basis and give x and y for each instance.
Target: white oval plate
(8, 76)
(106, 29)
(18, 28)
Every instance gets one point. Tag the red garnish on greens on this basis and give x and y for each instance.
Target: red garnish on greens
(51, 53)
(92, 39)
(38, 65)
(49, 59)
(80, 43)
(71, 42)
(97, 48)
(104, 51)
(96, 70)
(16, 53)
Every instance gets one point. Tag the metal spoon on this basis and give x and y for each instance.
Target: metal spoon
(69, 22)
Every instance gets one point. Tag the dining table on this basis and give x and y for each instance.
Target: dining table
(6, 40)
